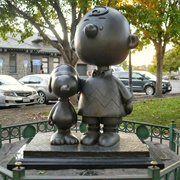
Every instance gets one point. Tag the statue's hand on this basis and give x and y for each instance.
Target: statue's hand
(129, 108)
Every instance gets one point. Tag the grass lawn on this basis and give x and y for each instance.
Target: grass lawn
(158, 111)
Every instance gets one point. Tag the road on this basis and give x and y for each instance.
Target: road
(175, 88)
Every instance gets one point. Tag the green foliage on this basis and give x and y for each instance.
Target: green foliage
(125, 65)
(158, 111)
(172, 59)
(156, 22)
(153, 66)
(57, 17)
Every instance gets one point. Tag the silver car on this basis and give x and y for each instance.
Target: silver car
(13, 93)
(40, 83)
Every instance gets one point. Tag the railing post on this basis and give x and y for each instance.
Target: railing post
(154, 171)
(171, 135)
(18, 171)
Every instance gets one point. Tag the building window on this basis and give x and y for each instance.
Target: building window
(82, 69)
(55, 62)
(45, 62)
(12, 63)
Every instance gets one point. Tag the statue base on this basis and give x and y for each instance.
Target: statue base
(130, 152)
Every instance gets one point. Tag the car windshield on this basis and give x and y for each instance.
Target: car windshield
(149, 75)
(117, 68)
(7, 80)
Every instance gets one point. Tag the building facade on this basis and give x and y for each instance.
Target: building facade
(31, 56)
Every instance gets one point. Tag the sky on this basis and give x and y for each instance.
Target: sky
(145, 56)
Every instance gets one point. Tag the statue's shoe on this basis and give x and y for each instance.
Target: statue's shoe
(108, 139)
(90, 138)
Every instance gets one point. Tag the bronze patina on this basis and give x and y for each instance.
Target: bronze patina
(102, 39)
(63, 83)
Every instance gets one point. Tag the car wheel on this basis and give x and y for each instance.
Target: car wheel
(42, 98)
(149, 90)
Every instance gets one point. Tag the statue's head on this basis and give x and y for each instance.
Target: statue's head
(103, 37)
(63, 81)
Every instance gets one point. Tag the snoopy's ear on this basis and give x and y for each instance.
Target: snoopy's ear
(133, 41)
(49, 84)
(72, 45)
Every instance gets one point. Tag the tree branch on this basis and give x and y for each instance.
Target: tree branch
(36, 25)
(148, 35)
(51, 27)
(75, 20)
(61, 18)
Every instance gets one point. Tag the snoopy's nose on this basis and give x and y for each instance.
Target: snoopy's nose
(91, 30)
(64, 88)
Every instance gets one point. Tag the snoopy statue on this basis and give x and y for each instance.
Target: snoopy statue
(63, 83)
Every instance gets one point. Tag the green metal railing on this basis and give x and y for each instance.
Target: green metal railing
(153, 173)
(143, 130)
(19, 131)
(171, 172)
(174, 143)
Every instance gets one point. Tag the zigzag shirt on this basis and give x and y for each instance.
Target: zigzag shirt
(103, 95)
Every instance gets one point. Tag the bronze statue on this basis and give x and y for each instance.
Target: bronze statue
(63, 82)
(103, 38)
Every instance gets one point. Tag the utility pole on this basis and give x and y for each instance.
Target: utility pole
(130, 73)
(130, 67)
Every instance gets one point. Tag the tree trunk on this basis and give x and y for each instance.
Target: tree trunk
(69, 55)
(159, 58)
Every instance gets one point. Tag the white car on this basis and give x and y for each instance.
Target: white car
(14, 93)
(40, 83)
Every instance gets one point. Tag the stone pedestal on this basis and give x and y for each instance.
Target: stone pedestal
(130, 152)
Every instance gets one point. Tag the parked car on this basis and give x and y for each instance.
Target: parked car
(171, 77)
(117, 70)
(40, 83)
(144, 82)
(13, 93)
